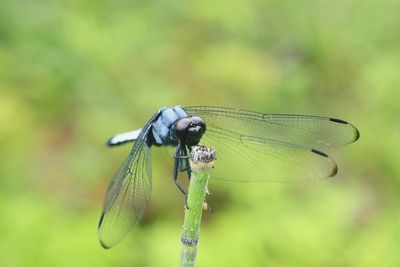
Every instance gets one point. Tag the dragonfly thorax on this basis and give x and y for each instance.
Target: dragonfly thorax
(162, 128)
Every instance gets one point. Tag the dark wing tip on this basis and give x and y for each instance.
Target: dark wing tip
(334, 171)
(338, 121)
(356, 132)
(101, 219)
(335, 167)
(319, 153)
(104, 245)
(101, 241)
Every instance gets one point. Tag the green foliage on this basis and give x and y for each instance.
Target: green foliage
(73, 73)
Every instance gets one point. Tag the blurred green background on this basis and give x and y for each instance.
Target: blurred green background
(73, 73)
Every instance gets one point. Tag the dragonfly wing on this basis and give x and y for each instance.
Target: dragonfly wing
(313, 131)
(127, 197)
(247, 158)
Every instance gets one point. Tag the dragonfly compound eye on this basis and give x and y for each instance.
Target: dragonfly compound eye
(190, 130)
(195, 131)
(181, 127)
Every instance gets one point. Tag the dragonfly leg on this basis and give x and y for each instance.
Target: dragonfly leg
(176, 166)
(177, 162)
(182, 154)
(187, 163)
(177, 183)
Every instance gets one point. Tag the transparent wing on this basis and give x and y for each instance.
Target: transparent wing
(129, 191)
(306, 130)
(246, 158)
(127, 196)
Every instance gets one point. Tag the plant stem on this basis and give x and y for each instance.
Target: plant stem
(201, 162)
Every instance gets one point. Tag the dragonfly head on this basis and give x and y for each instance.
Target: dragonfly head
(190, 130)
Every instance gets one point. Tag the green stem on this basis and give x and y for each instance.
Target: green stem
(201, 162)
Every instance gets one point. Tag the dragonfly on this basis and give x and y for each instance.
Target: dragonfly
(251, 146)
